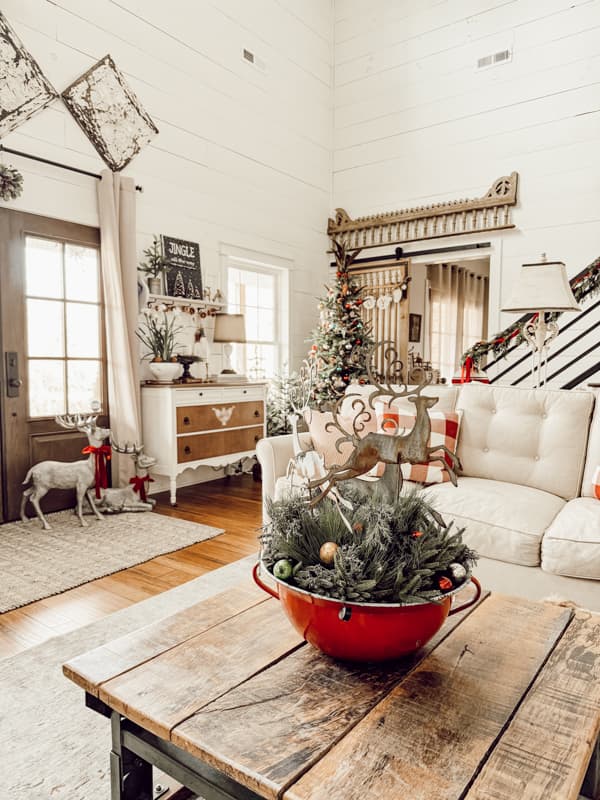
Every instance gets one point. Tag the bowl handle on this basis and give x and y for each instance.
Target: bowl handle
(469, 603)
(263, 586)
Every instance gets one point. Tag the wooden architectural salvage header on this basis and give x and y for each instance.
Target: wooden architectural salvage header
(491, 212)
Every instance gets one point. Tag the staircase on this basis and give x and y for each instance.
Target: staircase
(574, 358)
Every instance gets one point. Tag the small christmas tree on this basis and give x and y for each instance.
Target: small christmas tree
(342, 341)
(179, 286)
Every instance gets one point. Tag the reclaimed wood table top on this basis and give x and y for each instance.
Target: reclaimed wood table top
(504, 702)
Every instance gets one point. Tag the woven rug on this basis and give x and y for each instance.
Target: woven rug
(53, 748)
(35, 563)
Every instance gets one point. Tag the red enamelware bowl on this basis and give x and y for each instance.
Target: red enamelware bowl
(363, 631)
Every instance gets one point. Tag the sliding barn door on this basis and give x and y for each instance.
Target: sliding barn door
(385, 306)
(52, 345)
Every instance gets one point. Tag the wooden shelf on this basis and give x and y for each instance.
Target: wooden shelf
(168, 299)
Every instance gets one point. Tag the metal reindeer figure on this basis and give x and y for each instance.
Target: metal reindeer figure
(391, 449)
(132, 497)
(78, 475)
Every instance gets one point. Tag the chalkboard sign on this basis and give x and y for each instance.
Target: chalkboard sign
(183, 275)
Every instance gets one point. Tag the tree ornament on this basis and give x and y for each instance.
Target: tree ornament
(327, 553)
(458, 572)
(282, 569)
(11, 183)
(445, 584)
(417, 534)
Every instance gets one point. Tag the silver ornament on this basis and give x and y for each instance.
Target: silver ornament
(458, 572)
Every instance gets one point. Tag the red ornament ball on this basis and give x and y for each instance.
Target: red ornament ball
(445, 584)
(348, 306)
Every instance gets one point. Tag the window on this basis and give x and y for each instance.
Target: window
(63, 313)
(257, 292)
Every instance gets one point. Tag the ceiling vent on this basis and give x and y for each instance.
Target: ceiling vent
(250, 58)
(493, 60)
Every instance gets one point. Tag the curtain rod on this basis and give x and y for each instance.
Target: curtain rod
(399, 253)
(56, 164)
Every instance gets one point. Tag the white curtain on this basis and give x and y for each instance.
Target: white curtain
(457, 314)
(116, 205)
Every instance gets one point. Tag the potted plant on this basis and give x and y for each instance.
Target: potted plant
(154, 265)
(159, 336)
(371, 584)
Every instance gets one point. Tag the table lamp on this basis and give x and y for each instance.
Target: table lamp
(541, 287)
(229, 328)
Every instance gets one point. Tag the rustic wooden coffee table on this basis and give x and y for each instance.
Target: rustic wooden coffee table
(226, 698)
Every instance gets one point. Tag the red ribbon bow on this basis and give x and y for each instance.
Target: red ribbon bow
(465, 373)
(138, 485)
(101, 456)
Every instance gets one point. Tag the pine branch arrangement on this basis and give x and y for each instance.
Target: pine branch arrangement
(396, 553)
(342, 341)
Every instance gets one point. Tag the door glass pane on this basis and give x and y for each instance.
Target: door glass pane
(46, 388)
(43, 268)
(45, 329)
(81, 273)
(83, 331)
(84, 385)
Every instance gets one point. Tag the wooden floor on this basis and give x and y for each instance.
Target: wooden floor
(230, 503)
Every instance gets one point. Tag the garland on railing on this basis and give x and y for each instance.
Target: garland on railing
(587, 283)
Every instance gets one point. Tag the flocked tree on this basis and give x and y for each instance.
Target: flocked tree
(342, 341)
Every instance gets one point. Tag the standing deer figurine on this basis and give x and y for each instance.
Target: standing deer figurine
(132, 497)
(78, 475)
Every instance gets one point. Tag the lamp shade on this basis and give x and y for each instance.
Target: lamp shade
(230, 328)
(542, 287)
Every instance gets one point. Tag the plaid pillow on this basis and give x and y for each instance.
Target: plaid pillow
(445, 427)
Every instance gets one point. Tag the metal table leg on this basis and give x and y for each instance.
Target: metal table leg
(130, 775)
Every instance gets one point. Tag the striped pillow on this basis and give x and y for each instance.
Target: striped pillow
(445, 426)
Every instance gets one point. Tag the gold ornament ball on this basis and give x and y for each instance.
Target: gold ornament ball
(327, 553)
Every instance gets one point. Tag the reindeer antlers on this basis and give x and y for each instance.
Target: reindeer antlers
(129, 448)
(78, 422)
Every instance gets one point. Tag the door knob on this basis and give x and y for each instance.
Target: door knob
(16, 383)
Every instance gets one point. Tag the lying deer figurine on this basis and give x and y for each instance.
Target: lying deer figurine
(127, 498)
(78, 475)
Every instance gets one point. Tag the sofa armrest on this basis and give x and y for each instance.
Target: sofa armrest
(274, 455)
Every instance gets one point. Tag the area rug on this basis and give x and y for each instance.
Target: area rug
(53, 748)
(35, 563)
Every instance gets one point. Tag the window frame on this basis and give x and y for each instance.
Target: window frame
(65, 240)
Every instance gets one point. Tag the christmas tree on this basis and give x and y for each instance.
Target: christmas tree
(342, 341)
(179, 287)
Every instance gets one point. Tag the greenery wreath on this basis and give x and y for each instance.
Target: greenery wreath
(394, 553)
(11, 183)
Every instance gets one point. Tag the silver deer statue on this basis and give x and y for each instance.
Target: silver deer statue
(78, 475)
(132, 497)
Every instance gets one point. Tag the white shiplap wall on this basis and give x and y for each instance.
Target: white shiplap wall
(416, 122)
(243, 157)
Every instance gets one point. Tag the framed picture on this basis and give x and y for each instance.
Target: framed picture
(414, 327)
(183, 276)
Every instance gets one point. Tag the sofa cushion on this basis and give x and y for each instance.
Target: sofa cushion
(530, 437)
(324, 436)
(571, 545)
(355, 394)
(592, 461)
(501, 520)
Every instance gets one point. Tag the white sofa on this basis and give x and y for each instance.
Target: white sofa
(525, 494)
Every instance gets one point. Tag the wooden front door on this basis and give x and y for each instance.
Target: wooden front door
(52, 346)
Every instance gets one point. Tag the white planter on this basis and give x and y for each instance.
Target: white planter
(165, 370)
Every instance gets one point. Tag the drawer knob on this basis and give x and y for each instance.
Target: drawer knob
(186, 420)
(257, 438)
(257, 413)
(200, 394)
(187, 449)
(245, 391)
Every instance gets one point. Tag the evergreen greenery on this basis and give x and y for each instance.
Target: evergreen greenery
(341, 342)
(279, 405)
(154, 263)
(396, 553)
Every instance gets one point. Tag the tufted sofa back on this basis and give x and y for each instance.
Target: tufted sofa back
(533, 437)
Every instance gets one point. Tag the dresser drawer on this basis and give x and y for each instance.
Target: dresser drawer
(222, 415)
(203, 394)
(217, 443)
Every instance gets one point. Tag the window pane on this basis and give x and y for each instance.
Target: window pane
(46, 388)
(45, 329)
(266, 291)
(81, 273)
(43, 268)
(83, 331)
(261, 361)
(251, 318)
(84, 386)
(266, 326)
